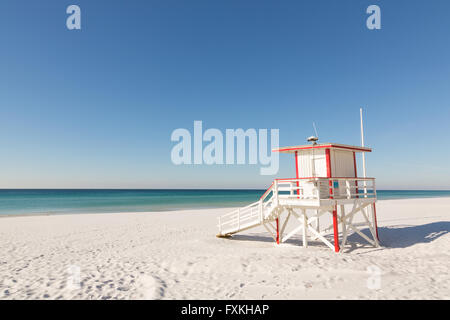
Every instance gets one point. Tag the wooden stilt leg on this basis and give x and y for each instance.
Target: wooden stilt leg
(305, 228)
(278, 232)
(283, 227)
(374, 212)
(317, 222)
(344, 227)
(336, 231)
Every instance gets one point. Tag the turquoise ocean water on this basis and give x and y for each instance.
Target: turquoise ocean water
(46, 201)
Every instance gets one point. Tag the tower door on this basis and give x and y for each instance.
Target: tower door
(319, 164)
(312, 163)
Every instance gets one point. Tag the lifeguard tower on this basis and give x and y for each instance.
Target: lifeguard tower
(326, 183)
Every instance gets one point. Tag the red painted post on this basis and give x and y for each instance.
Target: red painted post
(336, 231)
(335, 219)
(278, 233)
(328, 159)
(296, 172)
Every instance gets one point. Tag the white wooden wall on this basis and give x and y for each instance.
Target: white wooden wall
(342, 164)
(307, 164)
(315, 165)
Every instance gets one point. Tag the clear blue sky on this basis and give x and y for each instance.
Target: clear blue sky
(95, 108)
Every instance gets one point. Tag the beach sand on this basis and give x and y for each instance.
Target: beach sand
(175, 255)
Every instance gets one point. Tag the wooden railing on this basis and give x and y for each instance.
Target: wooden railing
(249, 215)
(314, 188)
(321, 188)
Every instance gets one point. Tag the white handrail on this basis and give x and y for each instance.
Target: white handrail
(295, 189)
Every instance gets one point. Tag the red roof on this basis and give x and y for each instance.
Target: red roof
(322, 146)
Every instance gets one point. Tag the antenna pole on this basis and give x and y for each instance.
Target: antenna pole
(365, 210)
(315, 129)
(362, 142)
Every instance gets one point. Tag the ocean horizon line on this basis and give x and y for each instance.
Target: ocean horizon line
(54, 201)
(200, 189)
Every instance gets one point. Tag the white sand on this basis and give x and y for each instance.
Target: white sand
(175, 255)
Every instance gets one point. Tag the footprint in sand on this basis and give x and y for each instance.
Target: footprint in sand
(150, 287)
